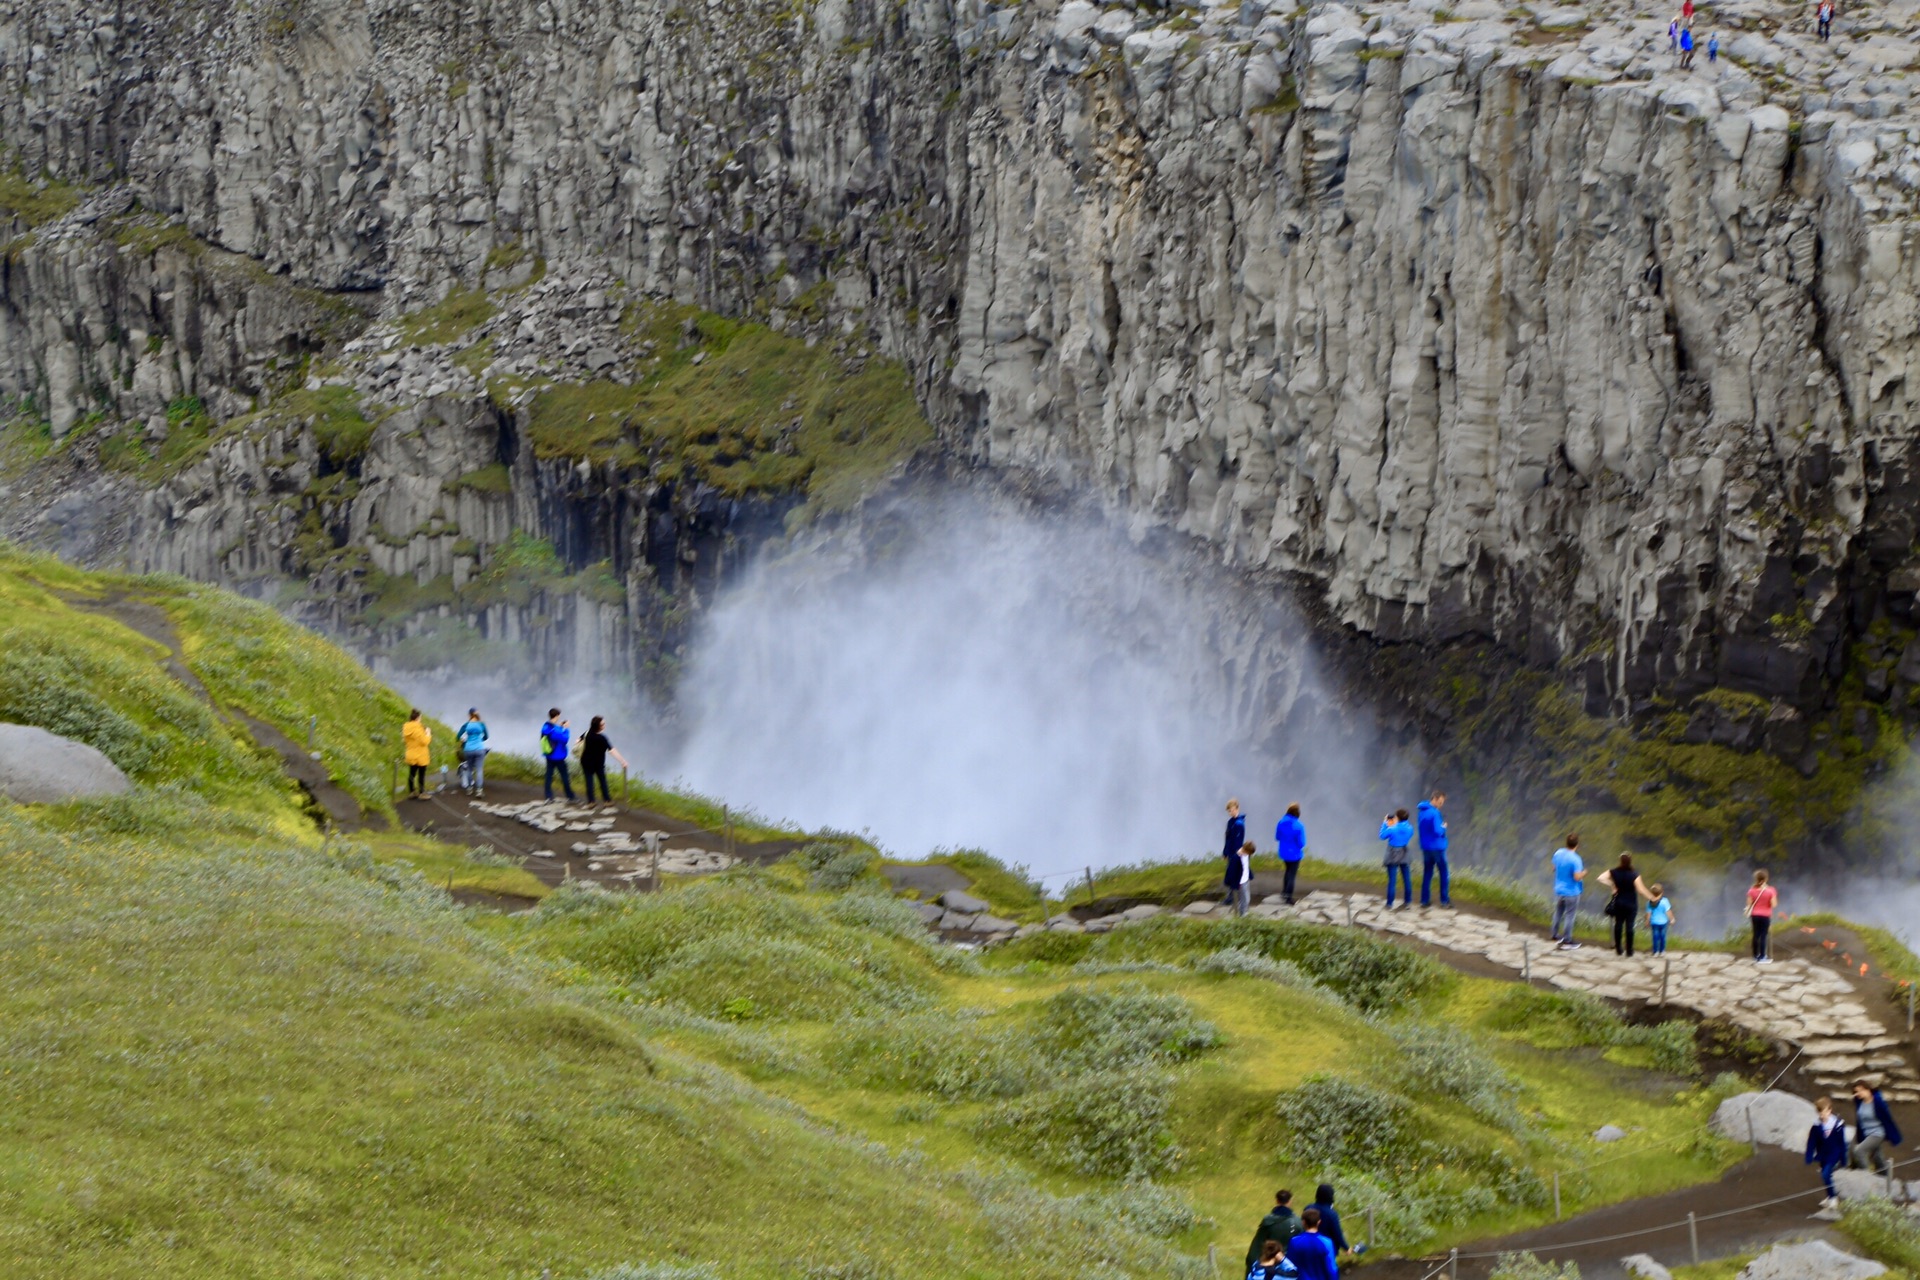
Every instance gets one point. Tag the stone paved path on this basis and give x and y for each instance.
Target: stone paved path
(1814, 1009)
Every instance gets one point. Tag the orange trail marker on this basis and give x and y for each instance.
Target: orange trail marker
(1863, 971)
(1829, 944)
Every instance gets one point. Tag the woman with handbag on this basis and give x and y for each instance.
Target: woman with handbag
(1624, 906)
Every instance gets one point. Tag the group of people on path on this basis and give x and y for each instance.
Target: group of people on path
(1306, 1245)
(1870, 1144)
(1680, 38)
(471, 741)
(1290, 839)
(1627, 890)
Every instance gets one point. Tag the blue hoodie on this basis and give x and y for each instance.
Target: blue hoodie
(1312, 1256)
(1398, 835)
(1291, 835)
(1433, 828)
(555, 736)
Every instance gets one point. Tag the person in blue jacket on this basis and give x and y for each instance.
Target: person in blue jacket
(1311, 1252)
(1433, 850)
(1873, 1129)
(1827, 1146)
(1398, 833)
(472, 740)
(1236, 836)
(1291, 835)
(554, 736)
(1323, 1203)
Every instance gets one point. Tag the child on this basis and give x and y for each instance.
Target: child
(1761, 901)
(1827, 1143)
(1659, 916)
(1398, 833)
(1270, 1266)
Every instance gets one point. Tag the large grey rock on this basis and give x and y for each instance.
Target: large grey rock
(1642, 1267)
(1814, 1260)
(1778, 1119)
(38, 767)
(1609, 1133)
(984, 923)
(965, 903)
(1863, 1184)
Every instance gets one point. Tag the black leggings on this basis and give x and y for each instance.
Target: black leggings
(592, 771)
(1623, 935)
(1760, 926)
(1293, 870)
(416, 778)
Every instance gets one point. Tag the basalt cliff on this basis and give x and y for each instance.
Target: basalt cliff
(1483, 326)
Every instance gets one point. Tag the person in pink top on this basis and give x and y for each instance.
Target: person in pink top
(1761, 901)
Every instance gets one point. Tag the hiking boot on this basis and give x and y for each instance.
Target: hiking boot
(1569, 945)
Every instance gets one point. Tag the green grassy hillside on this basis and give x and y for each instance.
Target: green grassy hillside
(233, 1047)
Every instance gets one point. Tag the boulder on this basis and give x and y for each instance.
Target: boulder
(1814, 1260)
(929, 913)
(965, 903)
(1778, 1119)
(1863, 1184)
(984, 923)
(1609, 1133)
(1642, 1267)
(1145, 911)
(37, 767)
(954, 920)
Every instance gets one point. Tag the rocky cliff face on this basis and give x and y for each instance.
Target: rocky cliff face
(1480, 322)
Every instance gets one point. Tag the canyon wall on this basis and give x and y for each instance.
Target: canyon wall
(1478, 323)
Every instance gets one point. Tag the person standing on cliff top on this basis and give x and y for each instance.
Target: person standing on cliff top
(1686, 14)
(1433, 850)
(1291, 835)
(1398, 833)
(1568, 872)
(1673, 35)
(1686, 48)
(1824, 14)
(1713, 49)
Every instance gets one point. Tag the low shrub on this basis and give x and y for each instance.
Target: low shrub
(1107, 1124)
(1525, 1266)
(1446, 1061)
(947, 1055)
(1885, 1230)
(1569, 1019)
(1148, 1208)
(842, 871)
(1092, 1030)
(1333, 1121)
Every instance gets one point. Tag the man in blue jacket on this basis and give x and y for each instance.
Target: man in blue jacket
(1310, 1252)
(1433, 850)
(1291, 835)
(1873, 1128)
(553, 748)
(1827, 1146)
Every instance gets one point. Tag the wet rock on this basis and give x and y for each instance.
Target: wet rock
(38, 767)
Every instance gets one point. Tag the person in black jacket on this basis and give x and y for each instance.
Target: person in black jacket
(1236, 836)
(1874, 1130)
(1279, 1225)
(1827, 1146)
(1330, 1220)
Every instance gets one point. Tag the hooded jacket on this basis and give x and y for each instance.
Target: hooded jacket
(1311, 1253)
(1291, 835)
(417, 737)
(1433, 828)
(1883, 1113)
(1236, 835)
(473, 736)
(555, 736)
(1827, 1148)
(1329, 1220)
(1279, 1225)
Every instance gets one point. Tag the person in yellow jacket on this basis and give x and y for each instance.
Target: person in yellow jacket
(419, 741)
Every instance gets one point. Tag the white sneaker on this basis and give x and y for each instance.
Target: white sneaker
(1764, 960)
(1569, 945)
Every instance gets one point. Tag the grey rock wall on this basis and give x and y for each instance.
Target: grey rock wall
(1482, 322)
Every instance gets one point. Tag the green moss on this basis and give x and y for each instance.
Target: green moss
(148, 234)
(35, 201)
(457, 314)
(494, 478)
(742, 408)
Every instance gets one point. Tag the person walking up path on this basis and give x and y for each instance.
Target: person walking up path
(1713, 49)
(1824, 16)
(1686, 48)
(1433, 850)
(1568, 872)
(1659, 916)
(1310, 1252)
(417, 738)
(1875, 1133)
(553, 749)
(1398, 833)
(1329, 1218)
(1278, 1227)
(1827, 1146)
(1291, 835)
(1230, 847)
(1761, 901)
(594, 750)
(472, 739)
(1624, 907)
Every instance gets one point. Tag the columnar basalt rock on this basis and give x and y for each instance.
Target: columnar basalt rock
(1483, 322)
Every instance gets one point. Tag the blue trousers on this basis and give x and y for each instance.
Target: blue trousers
(1406, 878)
(1659, 939)
(1826, 1176)
(1433, 861)
(566, 777)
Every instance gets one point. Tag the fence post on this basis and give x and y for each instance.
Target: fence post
(393, 777)
(1910, 987)
(1556, 1195)
(1665, 974)
(313, 727)
(1213, 1260)
(1349, 912)
(1526, 960)
(1453, 1263)
(1752, 1139)
(1693, 1237)
(726, 816)
(1089, 871)
(1369, 1226)
(626, 792)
